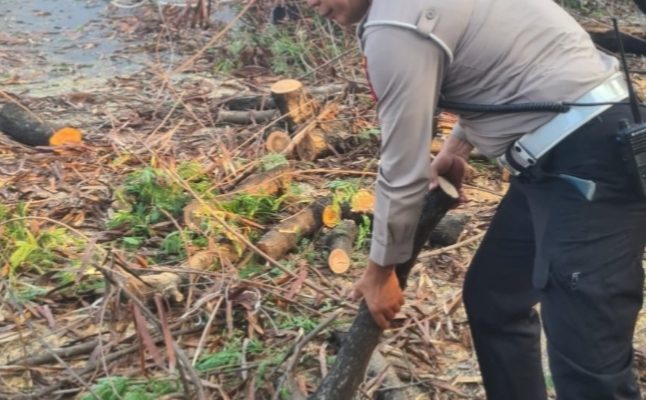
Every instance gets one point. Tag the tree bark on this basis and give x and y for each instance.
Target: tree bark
(293, 101)
(246, 117)
(26, 128)
(285, 236)
(340, 243)
(348, 371)
(317, 143)
(266, 102)
(449, 229)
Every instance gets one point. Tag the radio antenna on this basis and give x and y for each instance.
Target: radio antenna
(634, 105)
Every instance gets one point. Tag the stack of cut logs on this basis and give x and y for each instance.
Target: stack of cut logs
(311, 131)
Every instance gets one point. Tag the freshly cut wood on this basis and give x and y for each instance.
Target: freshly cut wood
(265, 102)
(316, 143)
(293, 101)
(340, 243)
(266, 183)
(277, 141)
(349, 369)
(285, 236)
(360, 204)
(449, 229)
(246, 117)
(332, 215)
(146, 286)
(26, 128)
(363, 202)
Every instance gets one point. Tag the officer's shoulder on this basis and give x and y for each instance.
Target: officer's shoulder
(442, 21)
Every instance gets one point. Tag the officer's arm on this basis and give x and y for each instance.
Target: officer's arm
(406, 71)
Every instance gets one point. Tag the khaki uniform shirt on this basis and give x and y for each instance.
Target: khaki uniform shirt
(470, 51)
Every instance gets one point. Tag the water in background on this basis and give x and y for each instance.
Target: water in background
(50, 46)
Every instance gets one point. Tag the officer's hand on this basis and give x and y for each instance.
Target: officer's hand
(379, 286)
(451, 167)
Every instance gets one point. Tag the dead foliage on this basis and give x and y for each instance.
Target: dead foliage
(130, 262)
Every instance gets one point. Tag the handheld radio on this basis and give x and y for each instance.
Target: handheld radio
(632, 137)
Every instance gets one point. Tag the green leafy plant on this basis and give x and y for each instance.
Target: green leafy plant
(273, 160)
(123, 388)
(297, 322)
(228, 356)
(364, 232)
(261, 208)
(32, 247)
(149, 195)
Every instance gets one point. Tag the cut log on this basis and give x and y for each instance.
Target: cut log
(286, 235)
(361, 204)
(317, 143)
(246, 117)
(146, 286)
(266, 183)
(340, 242)
(293, 101)
(26, 128)
(277, 141)
(349, 369)
(449, 229)
(266, 102)
(332, 215)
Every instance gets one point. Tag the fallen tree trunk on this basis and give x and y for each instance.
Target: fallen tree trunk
(349, 369)
(285, 236)
(26, 128)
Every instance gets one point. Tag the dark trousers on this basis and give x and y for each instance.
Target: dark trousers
(581, 260)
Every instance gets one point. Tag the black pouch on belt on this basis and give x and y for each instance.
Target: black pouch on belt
(632, 141)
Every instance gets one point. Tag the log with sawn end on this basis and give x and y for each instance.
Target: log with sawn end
(246, 117)
(293, 101)
(360, 206)
(26, 128)
(266, 102)
(285, 236)
(277, 141)
(316, 143)
(349, 369)
(340, 242)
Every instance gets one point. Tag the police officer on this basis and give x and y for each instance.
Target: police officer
(577, 253)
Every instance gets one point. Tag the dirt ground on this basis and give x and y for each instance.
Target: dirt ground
(78, 223)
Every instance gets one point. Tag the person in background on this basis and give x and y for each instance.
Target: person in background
(579, 256)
